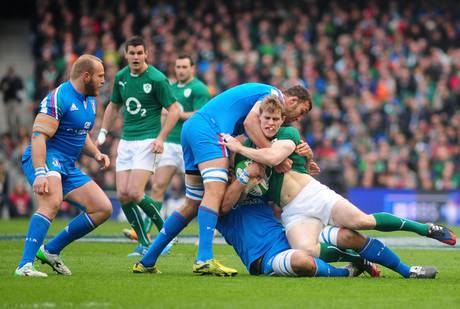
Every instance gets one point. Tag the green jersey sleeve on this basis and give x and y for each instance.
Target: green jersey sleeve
(163, 93)
(289, 133)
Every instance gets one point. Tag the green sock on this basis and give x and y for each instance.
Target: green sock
(150, 207)
(330, 253)
(387, 222)
(147, 224)
(134, 217)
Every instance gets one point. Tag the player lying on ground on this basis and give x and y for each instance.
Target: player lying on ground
(368, 248)
(59, 135)
(304, 200)
(206, 162)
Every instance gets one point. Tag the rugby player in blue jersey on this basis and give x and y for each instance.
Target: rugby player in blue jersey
(234, 111)
(59, 136)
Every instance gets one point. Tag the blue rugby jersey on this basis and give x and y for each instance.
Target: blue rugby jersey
(228, 110)
(252, 229)
(76, 114)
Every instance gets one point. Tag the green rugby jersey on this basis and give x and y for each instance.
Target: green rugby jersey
(143, 97)
(192, 96)
(298, 163)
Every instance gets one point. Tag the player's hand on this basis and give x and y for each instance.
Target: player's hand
(255, 170)
(101, 137)
(103, 160)
(313, 168)
(157, 145)
(41, 185)
(304, 150)
(230, 142)
(284, 166)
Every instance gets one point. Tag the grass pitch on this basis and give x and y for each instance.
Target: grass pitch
(102, 279)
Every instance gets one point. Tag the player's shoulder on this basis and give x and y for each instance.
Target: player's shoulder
(156, 75)
(289, 133)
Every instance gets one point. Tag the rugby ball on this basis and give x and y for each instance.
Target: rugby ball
(253, 189)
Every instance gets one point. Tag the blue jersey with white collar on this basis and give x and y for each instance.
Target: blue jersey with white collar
(228, 110)
(76, 114)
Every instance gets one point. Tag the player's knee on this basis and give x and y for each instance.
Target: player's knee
(350, 239)
(135, 195)
(303, 264)
(123, 196)
(159, 188)
(362, 221)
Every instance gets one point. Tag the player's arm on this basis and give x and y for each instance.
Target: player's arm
(44, 127)
(91, 150)
(236, 190)
(170, 120)
(277, 153)
(110, 115)
(253, 130)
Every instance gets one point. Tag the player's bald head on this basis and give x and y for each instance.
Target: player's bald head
(84, 63)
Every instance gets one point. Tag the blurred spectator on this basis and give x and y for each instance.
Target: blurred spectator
(384, 75)
(11, 85)
(20, 201)
(3, 187)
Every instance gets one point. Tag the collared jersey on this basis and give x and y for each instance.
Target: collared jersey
(76, 114)
(143, 97)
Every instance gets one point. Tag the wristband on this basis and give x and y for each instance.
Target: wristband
(40, 172)
(243, 177)
(101, 136)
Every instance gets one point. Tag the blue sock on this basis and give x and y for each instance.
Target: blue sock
(38, 227)
(207, 220)
(77, 228)
(171, 228)
(323, 269)
(375, 251)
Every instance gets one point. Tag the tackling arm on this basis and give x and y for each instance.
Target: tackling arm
(279, 150)
(253, 130)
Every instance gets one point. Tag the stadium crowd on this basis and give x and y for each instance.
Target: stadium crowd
(385, 75)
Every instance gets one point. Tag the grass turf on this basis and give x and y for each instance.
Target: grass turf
(112, 227)
(102, 278)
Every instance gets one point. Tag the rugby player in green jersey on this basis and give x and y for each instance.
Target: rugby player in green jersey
(142, 92)
(191, 93)
(308, 205)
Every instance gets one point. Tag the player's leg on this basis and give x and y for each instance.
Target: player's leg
(48, 206)
(293, 263)
(173, 225)
(373, 250)
(130, 208)
(126, 154)
(214, 175)
(345, 214)
(97, 210)
(303, 233)
(136, 185)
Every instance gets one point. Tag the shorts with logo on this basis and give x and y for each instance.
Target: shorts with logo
(200, 142)
(58, 165)
(136, 155)
(172, 156)
(314, 201)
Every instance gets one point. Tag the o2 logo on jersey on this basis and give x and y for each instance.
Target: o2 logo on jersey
(133, 106)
